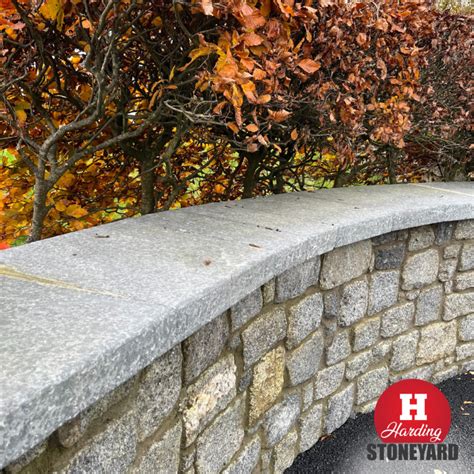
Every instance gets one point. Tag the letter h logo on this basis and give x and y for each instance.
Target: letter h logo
(419, 406)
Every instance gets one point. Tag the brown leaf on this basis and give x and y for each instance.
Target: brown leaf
(309, 66)
(252, 39)
(279, 115)
(252, 128)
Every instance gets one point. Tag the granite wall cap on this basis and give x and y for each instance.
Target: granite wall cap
(78, 310)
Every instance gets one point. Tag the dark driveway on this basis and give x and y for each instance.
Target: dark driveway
(346, 450)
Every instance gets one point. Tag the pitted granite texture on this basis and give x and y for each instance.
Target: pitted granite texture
(81, 315)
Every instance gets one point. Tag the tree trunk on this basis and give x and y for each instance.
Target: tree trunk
(339, 180)
(391, 165)
(147, 174)
(250, 179)
(39, 210)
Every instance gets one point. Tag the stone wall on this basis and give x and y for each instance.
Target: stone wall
(289, 363)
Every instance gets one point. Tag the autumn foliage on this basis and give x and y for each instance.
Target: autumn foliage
(113, 108)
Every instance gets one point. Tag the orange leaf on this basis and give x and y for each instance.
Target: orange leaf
(21, 116)
(279, 115)
(60, 206)
(259, 74)
(76, 211)
(233, 127)
(252, 128)
(309, 66)
(252, 39)
(264, 99)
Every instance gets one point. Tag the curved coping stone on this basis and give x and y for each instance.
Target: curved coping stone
(81, 313)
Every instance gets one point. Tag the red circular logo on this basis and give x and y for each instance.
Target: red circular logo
(412, 411)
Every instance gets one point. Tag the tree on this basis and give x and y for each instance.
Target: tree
(335, 78)
(440, 140)
(116, 107)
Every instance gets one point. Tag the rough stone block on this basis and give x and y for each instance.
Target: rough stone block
(158, 391)
(444, 232)
(267, 382)
(420, 269)
(268, 291)
(332, 303)
(280, 419)
(447, 269)
(429, 305)
(162, 457)
(422, 373)
(464, 230)
(285, 452)
(246, 309)
(458, 304)
(383, 290)
(245, 380)
(354, 302)
(339, 409)
(345, 263)
(209, 395)
(328, 380)
(371, 385)
(368, 407)
(307, 395)
(247, 460)
(262, 334)
(452, 251)
(397, 320)
(465, 351)
(412, 295)
(366, 333)
(464, 281)
(112, 450)
(437, 340)
(443, 375)
(421, 238)
(203, 348)
(466, 328)
(296, 280)
(466, 259)
(339, 349)
(390, 257)
(304, 318)
(359, 364)
(310, 427)
(381, 350)
(212, 454)
(404, 351)
(303, 362)
(386, 238)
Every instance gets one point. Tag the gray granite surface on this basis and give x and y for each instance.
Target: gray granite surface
(83, 312)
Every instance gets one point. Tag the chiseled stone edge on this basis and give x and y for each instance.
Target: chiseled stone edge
(374, 220)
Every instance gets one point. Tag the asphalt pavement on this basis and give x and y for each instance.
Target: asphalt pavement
(345, 451)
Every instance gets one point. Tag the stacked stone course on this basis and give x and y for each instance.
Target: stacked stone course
(289, 363)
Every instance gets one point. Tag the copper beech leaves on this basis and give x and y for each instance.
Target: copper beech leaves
(216, 100)
(274, 55)
(309, 66)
